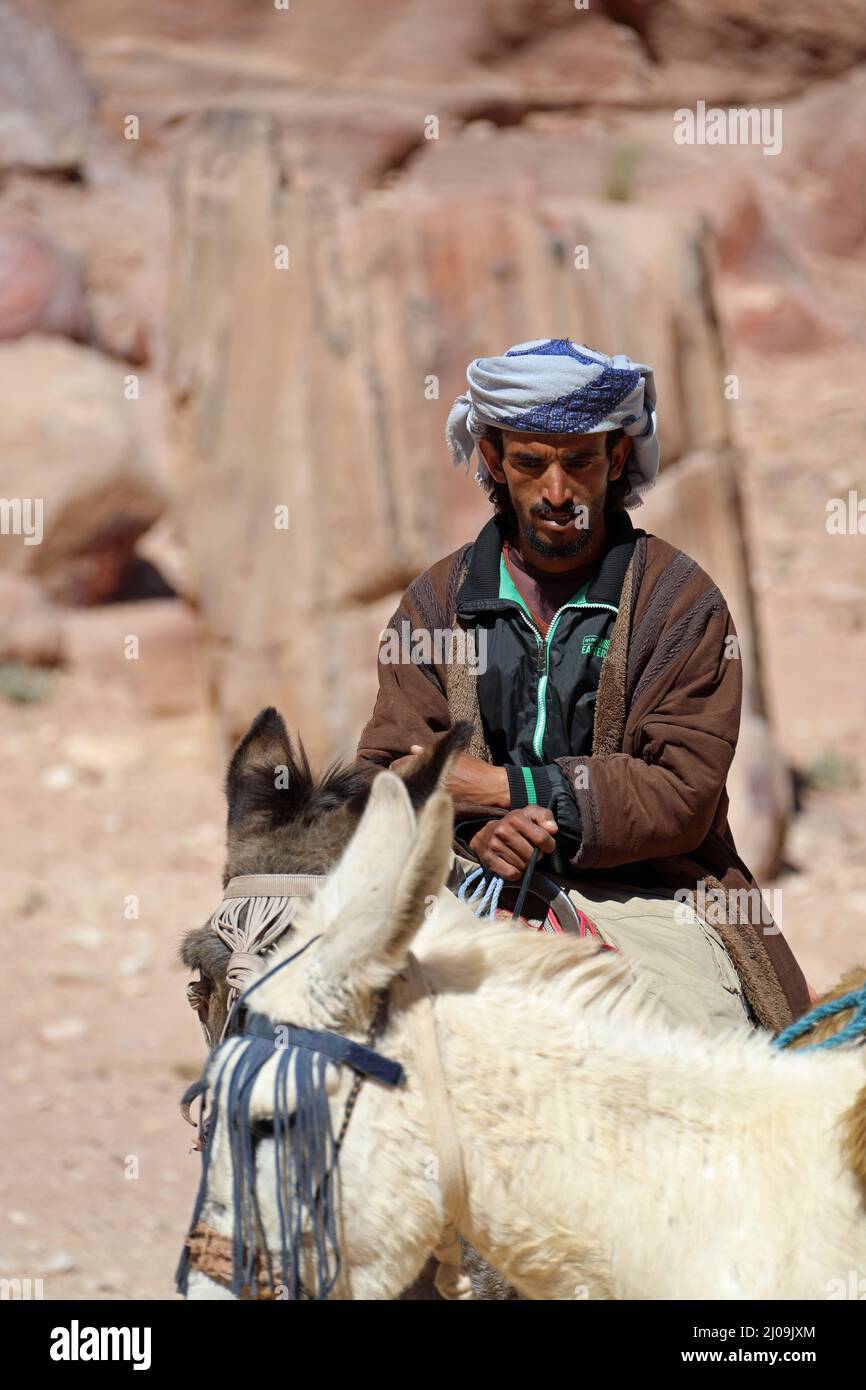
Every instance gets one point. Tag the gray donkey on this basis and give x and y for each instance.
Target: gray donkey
(284, 820)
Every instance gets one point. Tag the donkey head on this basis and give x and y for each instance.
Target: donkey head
(347, 945)
(283, 819)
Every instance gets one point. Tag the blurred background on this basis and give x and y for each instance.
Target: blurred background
(246, 253)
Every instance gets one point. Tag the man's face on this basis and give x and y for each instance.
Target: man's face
(558, 485)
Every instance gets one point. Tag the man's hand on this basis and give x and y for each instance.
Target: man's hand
(506, 845)
(470, 779)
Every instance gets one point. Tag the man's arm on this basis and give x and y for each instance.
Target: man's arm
(661, 801)
(411, 709)
(411, 713)
(412, 705)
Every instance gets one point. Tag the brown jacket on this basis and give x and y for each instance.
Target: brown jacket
(652, 794)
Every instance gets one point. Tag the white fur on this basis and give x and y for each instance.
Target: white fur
(609, 1154)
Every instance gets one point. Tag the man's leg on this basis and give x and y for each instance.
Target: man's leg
(679, 957)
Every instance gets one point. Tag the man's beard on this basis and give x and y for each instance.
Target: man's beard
(548, 548)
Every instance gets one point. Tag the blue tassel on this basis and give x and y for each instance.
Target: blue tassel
(305, 1150)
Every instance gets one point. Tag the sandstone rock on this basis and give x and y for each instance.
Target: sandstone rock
(153, 649)
(73, 467)
(755, 46)
(44, 101)
(351, 85)
(775, 319)
(762, 797)
(338, 416)
(41, 288)
(568, 56)
(30, 627)
(825, 135)
(746, 239)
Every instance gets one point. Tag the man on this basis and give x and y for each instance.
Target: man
(604, 686)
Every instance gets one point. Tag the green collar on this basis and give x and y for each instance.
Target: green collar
(509, 590)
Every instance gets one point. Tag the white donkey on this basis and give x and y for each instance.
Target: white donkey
(583, 1145)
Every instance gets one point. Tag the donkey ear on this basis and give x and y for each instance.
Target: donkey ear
(422, 878)
(370, 943)
(428, 770)
(359, 892)
(263, 754)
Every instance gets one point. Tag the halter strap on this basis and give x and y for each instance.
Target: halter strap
(254, 912)
(333, 1045)
(427, 1068)
(273, 885)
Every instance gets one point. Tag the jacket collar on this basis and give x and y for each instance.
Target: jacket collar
(480, 589)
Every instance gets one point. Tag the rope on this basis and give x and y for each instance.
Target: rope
(485, 896)
(855, 1027)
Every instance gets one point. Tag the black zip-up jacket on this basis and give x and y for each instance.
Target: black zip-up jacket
(537, 696)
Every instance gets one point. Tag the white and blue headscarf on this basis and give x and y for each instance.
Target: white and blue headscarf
(551, 386)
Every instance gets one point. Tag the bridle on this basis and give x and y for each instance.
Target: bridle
(205, 1249)
(255, 911)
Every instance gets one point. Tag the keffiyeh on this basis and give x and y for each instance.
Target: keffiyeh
(552, 386)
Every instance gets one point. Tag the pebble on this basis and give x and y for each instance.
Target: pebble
(64, 1030)
(134, 965)
(58, 778)
(91, 938)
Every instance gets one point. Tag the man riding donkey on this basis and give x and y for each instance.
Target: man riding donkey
(604, 687)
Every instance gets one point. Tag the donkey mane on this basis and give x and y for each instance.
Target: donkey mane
(570, 981)
(567, 981)
(565, 975)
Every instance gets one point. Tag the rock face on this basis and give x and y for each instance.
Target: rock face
(152, 650)
(656, 51)
(76, 491)
(41, 288)
(316, 478)
(44, 101)
(30, 627)
(754, 43)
